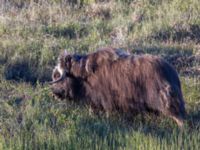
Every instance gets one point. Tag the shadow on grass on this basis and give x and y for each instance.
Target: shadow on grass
(184, 61)
(24, 71)
(194, 119)
(116, 133)
(179, 34)
(161, 50)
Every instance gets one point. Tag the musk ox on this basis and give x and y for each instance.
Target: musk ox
(113, 80)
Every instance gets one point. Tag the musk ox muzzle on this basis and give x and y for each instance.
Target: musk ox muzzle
(113, 80)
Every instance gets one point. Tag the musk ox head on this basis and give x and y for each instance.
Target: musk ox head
(64, 82)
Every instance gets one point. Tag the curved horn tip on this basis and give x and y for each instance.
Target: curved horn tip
(59, 79)
(52, 82)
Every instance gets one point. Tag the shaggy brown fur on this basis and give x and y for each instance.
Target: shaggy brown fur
(110, 81)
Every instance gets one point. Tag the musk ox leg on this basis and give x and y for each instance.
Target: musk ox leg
(173, 105)
(179, 121)
(176, 117)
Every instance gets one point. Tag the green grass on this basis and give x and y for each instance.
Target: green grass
(32, 119)
(33, 33)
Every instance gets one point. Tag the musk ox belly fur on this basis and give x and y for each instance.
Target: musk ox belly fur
(126, 83)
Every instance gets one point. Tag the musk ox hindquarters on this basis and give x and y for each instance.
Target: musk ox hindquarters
(113, 81)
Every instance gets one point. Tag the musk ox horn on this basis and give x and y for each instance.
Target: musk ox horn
(62, 74)
(59, 79)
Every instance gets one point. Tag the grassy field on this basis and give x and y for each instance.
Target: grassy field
(34, 32)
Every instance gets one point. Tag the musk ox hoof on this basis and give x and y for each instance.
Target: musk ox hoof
(179, 122)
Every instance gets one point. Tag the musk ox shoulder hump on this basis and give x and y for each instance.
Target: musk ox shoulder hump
(103, 56)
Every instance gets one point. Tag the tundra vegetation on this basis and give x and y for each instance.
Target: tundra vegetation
(33, 33)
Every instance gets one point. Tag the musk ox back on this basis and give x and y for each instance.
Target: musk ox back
(113, 80)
